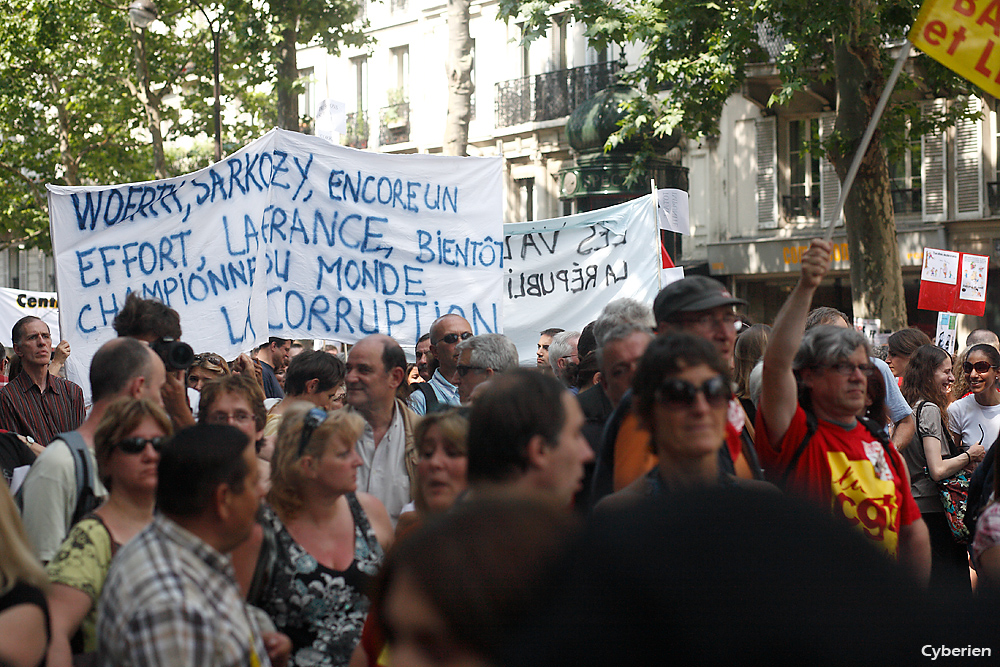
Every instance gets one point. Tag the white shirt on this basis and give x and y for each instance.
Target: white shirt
(383, 468)
(965, 416)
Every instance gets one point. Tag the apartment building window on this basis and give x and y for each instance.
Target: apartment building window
(803, 198)
(401, 67)
(905, 173)
(560, 39)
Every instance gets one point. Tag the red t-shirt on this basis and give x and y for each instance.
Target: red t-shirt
(847, 471)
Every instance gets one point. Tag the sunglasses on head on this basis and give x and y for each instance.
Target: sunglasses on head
(313, 419)
(137, 445)
(716, 391)
(453, 338)
(979, 367)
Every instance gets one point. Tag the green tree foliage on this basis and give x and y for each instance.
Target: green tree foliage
(695, 55)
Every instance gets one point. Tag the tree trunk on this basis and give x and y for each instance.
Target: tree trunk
(876, 278)
(150, 104)
(288, 69)
(460, 87)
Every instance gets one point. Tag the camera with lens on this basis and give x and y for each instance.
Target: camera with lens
(176, 355)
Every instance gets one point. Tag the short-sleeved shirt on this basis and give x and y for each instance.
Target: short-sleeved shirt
(82, 563)
(847, 470)
(966, 416)
(50, 496)
(26, 409)
(271, 387)
(171, 599)
(987, 532)
(383, 470)
(924, 489)
(895, 404)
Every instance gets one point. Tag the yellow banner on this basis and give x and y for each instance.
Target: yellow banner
(964, 36)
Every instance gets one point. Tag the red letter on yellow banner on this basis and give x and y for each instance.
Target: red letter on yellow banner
(964, 36)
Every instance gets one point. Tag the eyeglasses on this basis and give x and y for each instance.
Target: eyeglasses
(210, 357)
(313, 419)
(225, 418)
(716, 391)
(137, 445)
(453, 338)
(709, 321)
(464, 370)
(847, 369)
(980, 367)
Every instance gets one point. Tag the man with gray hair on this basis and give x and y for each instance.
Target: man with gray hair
(563, 358)
(810, 438)
(479, 359)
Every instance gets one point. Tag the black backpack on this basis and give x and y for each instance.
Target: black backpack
(86, 500)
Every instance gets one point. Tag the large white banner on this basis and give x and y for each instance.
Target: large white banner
(291, 236)
(562, 272)
(18, 303)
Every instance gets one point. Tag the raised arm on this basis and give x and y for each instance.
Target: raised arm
(778, 395)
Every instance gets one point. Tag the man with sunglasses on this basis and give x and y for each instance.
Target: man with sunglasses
(53, 501)
(828, 454)
(480, 358)
(440, 391)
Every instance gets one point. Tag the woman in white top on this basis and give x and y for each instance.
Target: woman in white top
(975, 418)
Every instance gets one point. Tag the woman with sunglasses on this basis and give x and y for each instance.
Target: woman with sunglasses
(930, 458)
(205, 367)
(681, 392)
(322, 540)
(975, 419)
(126, 444)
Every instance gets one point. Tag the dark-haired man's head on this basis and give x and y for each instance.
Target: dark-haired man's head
(147, 319)
(208, 478)
(700, 306)
(126, 367)
(376, 366)
(314, 376)
(275, 352)
(425, 358)
(524, 437)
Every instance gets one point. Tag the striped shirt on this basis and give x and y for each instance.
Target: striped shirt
(26, 409)
(171, 599)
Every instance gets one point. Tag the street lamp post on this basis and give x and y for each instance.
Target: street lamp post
(216, 68)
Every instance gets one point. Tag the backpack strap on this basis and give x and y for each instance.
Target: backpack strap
(431, 402)
(811, 425)
(82, 459)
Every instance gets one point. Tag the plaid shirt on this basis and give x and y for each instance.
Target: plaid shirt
(27, 410)
(172, 600)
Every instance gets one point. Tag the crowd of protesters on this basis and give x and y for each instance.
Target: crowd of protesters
(670, 483)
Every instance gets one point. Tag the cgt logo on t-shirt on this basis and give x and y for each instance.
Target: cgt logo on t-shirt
(864, 492)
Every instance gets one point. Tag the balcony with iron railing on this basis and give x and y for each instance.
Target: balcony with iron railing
(357, 130)
(907, 200)
(532, 99)
(394, 124)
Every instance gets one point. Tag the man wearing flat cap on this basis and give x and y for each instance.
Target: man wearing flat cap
(700, 306)
(703, 307)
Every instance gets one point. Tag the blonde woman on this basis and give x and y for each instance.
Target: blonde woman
(127, 448)
(24, 615)
(321, 539)
(442, 465)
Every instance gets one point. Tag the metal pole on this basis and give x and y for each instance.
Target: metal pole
(859, 154)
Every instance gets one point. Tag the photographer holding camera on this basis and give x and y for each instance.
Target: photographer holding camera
(159, 325)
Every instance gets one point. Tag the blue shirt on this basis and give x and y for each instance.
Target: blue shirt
(446, 393)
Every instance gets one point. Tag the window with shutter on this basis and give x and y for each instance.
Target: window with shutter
(968, 165)
(829, 181)
(767, 172)
(933, 195)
